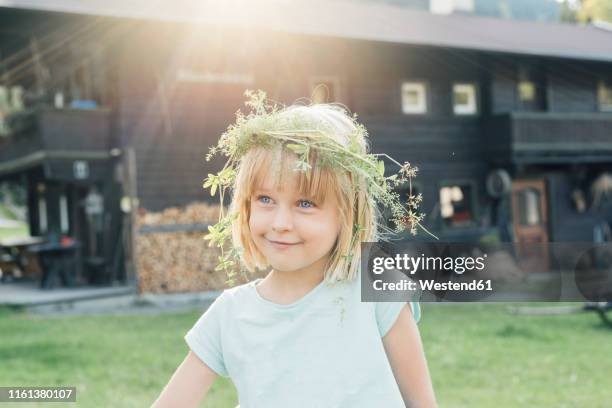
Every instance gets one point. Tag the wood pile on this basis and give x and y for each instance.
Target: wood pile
(178, 261)
(196, 213)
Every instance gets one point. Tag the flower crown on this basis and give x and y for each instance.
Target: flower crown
(265, 127)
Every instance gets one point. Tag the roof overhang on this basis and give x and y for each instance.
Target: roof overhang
(371, 22)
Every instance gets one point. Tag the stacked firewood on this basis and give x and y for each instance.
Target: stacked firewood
(196, 213)
(179, 261)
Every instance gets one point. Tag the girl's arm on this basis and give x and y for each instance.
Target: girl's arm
(405, 352)
(188, 385)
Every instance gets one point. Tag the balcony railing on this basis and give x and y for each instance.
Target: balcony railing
(48, 133)
(549, 137)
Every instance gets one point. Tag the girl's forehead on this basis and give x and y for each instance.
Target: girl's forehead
(271, 175)
(269, 182)
(279, 175)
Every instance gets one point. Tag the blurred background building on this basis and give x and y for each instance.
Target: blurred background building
(107, 110)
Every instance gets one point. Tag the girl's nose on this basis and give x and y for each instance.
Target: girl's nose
(283, 219)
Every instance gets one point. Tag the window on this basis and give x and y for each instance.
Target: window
(42, 214)
(601, 190)
(324, 90)
(531, 88)
(456, 205)
(464, 99)
(527, 91)
(526, 85)
(529, 201)
(11, 100)
(604, 96)
(63, 204)
(414, 98)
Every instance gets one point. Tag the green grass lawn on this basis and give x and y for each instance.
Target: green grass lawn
(6, 213)
(114, 361)
(479, 356)
(17, 231)
(14, 232)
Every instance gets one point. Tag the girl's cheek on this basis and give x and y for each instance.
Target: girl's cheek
(259, 219)
(253, 217)
(310, 225)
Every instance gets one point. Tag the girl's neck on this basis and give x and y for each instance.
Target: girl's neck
(288, 287)
(295, 280)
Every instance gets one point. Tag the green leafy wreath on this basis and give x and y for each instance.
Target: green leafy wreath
(263, 126)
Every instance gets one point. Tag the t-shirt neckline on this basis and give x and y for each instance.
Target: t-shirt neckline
(298, 302)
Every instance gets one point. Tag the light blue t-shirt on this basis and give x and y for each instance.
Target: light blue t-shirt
(325, 350)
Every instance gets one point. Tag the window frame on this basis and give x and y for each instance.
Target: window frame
(64, 210)
(519, 92)
(417, 82)
(476, 89)
(42, 209)
(473, 199)
(604, 83)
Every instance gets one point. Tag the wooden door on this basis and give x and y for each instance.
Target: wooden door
(530, 222)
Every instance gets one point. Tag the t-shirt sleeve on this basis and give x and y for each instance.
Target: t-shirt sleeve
(205, 337)
(387, 313)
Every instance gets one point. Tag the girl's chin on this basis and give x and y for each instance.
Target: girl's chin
(284, 267)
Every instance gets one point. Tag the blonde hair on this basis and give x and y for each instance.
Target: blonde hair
(358, 211)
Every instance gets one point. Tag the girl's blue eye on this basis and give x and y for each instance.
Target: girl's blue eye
(264, 199)
(309, 204)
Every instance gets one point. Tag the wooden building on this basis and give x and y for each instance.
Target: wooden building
(510, 123)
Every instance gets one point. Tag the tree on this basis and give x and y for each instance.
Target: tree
(595, 10)
(569, 12)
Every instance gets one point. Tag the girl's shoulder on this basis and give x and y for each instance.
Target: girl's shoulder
(238, 292)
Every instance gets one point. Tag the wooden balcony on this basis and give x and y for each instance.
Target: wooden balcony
(525, 138)
(53, 136)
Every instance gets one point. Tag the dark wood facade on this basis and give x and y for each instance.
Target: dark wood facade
(560, 131)
(169, 90)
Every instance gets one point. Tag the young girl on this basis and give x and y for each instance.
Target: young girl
(305, 195)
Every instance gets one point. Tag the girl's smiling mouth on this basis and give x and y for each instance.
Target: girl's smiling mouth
(281, 244)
